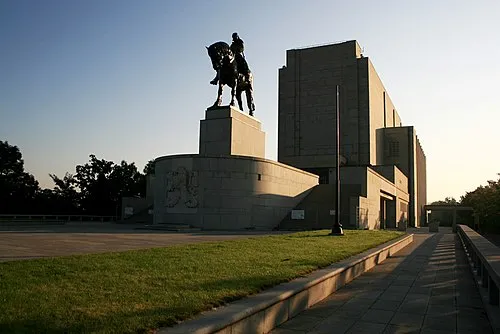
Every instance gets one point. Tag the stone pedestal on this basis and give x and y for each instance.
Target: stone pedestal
(228, 131)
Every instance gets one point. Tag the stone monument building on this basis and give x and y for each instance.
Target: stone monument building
(230, 185)
(375, 146)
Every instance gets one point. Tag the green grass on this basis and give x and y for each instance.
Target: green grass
(136, 291)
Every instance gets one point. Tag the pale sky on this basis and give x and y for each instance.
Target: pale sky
(129, 80)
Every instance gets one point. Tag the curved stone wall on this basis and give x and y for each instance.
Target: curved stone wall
(227, 192)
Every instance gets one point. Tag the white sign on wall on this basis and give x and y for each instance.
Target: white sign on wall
(332, 212)
(298, 214)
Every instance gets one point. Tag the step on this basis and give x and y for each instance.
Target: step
(171, 228)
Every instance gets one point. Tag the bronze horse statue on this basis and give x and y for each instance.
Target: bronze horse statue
(232, 72)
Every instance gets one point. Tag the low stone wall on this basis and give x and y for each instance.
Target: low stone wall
(483, 257)
(227, 192)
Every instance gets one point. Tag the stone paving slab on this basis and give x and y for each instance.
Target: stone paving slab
(427, 287)
(18, 243)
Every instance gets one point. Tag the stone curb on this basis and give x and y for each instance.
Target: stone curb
(264, 311)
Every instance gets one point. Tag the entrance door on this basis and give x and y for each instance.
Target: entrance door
(383, 213)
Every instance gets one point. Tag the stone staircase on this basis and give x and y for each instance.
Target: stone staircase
(183, 228)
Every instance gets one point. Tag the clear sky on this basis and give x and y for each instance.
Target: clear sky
(129, 80)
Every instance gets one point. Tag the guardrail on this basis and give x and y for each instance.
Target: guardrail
(40, 219)
(485, 260)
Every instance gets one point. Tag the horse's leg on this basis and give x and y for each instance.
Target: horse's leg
(251, 105)
(233, 91)
(216, 79)
(249, 94)
(238, 97)
(218, 102)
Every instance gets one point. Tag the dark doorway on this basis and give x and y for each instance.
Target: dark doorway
(383, 213)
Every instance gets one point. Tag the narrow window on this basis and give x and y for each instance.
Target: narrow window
(385, 116)
(394, 149)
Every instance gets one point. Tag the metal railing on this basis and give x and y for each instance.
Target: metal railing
(41, 219)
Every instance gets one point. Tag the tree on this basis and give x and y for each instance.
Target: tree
(103, 183)
(96, 188)
(149, 169)
(65, 197)
(18, 188)
(486, 203)
(47, 202)
(447, 201)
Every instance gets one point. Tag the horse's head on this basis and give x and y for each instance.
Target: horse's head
(215, 57)
(218, 53)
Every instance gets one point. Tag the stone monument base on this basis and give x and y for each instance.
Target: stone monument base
(227, 192)
(228, 131)
(229, 185)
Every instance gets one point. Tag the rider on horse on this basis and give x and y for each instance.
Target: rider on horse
(232, 70)
(237, 48)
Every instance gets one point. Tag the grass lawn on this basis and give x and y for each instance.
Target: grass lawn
(135, 291)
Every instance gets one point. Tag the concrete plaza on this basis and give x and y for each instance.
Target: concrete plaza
(30, 242)
(427, 287)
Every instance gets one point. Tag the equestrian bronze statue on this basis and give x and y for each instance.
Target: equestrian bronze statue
(232, 70)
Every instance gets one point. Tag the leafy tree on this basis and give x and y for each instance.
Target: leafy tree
(96, 188)
(102, 184)
(149, 169)
(486, 203)
(447, 201)
(18, 188)
(47, 202)
(65, 197)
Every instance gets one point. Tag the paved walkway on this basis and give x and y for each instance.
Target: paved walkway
(59, 240)
(426, 288)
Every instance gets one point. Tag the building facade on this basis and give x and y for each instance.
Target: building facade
(377, 151)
